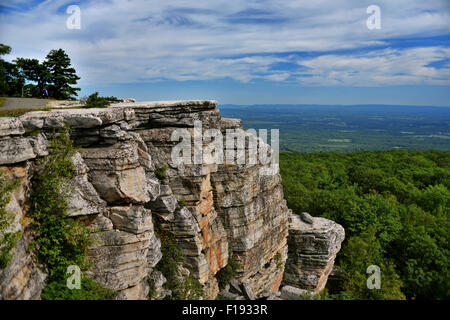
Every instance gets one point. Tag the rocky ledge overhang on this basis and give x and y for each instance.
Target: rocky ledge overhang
(226, 208)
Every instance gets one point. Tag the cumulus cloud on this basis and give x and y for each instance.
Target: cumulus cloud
(136, 40)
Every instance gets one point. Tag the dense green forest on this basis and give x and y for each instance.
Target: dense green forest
(394, 206)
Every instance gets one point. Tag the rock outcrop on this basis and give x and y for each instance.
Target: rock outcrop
(126, 180)
(313, 244)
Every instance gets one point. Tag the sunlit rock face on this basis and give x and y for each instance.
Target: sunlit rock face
(313, 244)
(127, 186)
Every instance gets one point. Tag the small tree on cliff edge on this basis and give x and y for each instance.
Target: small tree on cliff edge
(62, 75)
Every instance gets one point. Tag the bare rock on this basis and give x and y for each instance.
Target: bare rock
(135, 219)
(235, 286)
(312, 251)
(306, 217)
(248, 292)
(291, 293)
(15, 150)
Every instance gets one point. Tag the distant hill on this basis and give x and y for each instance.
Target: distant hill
(313, 128)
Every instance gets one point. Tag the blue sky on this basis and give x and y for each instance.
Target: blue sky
(245, 52)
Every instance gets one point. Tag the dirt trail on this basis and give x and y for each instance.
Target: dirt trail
(23, 103)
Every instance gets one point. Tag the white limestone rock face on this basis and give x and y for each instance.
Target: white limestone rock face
(210, 210)
(291, 293)
(116, 173)
(15, 150)
(312, 251)
(254, 214)
(23, 278)
(11, 127)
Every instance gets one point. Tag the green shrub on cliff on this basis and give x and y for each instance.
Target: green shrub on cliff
(228, 272)
(94, 101)
(60, 240)
(182, 287)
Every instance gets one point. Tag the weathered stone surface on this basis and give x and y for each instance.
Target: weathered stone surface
(254, 214)
(136, 292)
(23, 278)
(312, 250)
(10, 127)
(77, 118)
(39, 145)
(235, 286)
(306, 217)
(291, 293)
(101, 223)
(154, 252)
(248, 292)
(228, 295)
(15, 150)
(230, 123)
(156, 281)
(134, 219)
(121, 260)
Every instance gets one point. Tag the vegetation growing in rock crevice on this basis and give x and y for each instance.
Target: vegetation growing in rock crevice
(228, 272)
(182, 287)
(161, 173)
(60, 241)
(7, 239)
(279, 261)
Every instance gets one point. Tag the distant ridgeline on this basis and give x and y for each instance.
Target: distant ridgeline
(162, 228)
(313, 128)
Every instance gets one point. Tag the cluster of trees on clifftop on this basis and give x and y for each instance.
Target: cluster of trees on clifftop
(395, 208)
(30, 78)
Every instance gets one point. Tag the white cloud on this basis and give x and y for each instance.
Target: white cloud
(384, 67)
(137, 40)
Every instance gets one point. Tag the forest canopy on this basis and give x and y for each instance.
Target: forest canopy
(394, 206)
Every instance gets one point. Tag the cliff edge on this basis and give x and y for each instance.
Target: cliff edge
(127, 185)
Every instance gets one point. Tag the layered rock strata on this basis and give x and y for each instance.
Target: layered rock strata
(313, 244)
(126, 180)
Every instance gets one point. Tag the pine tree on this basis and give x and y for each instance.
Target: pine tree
(62, 75)
(8, 72)
(33, 70)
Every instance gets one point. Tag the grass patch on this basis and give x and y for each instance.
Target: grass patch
(14, 113)
(2, 100)
(90, 290)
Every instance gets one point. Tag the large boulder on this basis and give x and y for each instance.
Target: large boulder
(313, 244)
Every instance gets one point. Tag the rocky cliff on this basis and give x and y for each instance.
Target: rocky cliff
(126, 181)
